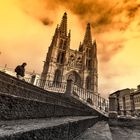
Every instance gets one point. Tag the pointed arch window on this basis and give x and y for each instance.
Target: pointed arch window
(88, 52)
(61, 44)
(65, 45)
(88, 64)
(57, 76)
(61, 57)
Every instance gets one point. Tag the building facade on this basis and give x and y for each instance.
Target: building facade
(136, 98)
(128, 101)
(63, 63)
(123, 101)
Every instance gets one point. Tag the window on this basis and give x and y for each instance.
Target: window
(88, 64)
(65, 45)
(61, 44)
(88, 52)
(60, 57)
(57, 76)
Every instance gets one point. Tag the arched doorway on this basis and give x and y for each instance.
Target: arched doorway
(75, 77)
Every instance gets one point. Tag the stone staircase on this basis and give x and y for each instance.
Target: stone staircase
(18, 96)
(28, 112)
(65, 128)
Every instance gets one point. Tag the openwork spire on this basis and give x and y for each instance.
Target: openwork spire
(88, 37)
(55, 37)
(63, 25)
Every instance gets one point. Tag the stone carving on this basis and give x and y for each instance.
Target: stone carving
(71, 61)
(79, 62)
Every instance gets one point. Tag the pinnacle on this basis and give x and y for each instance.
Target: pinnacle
(87, 38)
(65, 13)
(63, 25)
(88, 24)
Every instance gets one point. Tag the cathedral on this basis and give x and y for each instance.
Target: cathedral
(63, 63)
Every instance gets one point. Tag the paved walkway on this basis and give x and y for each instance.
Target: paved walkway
(100, 131)
(123, 133)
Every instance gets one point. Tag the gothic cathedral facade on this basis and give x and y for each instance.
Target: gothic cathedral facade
(63, 63)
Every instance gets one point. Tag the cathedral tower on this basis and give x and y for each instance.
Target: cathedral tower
(89, 51)
(54, 63)
(63, 63)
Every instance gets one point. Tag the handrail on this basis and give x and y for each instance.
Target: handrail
(50, 85)
(91, 98)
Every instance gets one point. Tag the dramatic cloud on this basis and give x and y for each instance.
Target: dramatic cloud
(109, 50)
(104, 16)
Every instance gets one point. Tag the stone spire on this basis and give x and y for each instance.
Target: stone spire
(80, 47)
(88, 37)
(69, 34)
(69, 39)
(55, 37)
(95, 49)
(63, 25)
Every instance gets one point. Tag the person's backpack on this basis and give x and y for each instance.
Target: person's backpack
(17, 69)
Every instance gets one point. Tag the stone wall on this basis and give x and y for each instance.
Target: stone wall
(13, 86)
(21, 100)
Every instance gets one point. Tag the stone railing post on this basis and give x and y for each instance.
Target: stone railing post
(33, 79)
(113, 107)
(69, 87)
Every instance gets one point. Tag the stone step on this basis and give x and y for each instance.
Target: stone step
(14, 108)
(100, 131)
(65, 128)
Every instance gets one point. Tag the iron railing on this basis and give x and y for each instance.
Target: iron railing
(49, 85)
(94, 99)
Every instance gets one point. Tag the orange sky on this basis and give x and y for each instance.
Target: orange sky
(115, 26)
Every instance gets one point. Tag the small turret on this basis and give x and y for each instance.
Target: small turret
(80, 47)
